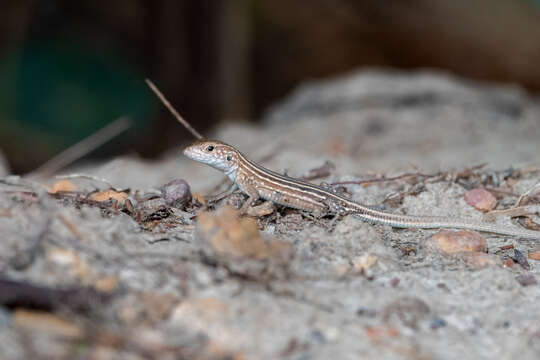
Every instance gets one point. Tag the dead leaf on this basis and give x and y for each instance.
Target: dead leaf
(63, 186)
(109, 194)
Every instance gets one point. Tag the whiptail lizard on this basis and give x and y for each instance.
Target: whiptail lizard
(260, 183)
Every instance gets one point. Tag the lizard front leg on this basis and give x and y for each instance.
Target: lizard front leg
(253, 194)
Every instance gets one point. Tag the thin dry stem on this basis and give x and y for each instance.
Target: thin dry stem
(173, 111)
(85, 176)
(384, 179)
(81, 148)
(525, 194)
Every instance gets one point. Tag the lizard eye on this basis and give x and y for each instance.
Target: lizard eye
(210, 148)
(229, 157)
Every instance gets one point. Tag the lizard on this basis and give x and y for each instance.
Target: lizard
(261, 183)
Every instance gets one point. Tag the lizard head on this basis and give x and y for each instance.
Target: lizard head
(216, 154)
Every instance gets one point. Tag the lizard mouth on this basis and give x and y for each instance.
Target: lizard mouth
(191, 153)
(196, 154)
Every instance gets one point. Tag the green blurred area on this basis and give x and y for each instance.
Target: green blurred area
(54, 95)
(67, 68)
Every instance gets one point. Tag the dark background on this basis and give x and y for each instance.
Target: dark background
(67, 68)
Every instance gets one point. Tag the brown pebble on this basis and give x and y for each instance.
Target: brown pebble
(535, 255)
(480, 199)
(450, 242)
(526, 279)
(508, 263)
(229, 234)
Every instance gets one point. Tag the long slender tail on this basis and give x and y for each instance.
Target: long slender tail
(430, 222)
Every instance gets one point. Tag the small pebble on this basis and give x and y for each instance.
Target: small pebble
(176, 193)
(508, 263)
(526, 279)
(437, 323)
(225, 233)
(318, 337)
(450, 242)
(535, 255)
(480, 199)
(365, 311)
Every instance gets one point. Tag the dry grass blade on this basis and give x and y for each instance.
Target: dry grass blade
(512, 212)
(82, 148)
(173, 111)
(384, 178)
(527, 193)
(86, 176)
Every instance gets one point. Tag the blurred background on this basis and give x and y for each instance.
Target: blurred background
(67, 68)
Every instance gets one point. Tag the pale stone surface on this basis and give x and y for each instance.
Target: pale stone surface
(346, 289)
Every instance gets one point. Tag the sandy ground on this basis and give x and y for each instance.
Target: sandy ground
(136, 278)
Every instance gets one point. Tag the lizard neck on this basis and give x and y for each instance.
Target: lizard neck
(231, 173)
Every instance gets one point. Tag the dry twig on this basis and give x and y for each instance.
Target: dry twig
(85, 176)
(173, 111)
(512, 212)
(82, 148)
(319, 172)
(384, 178)
(70, 226)
(526, 193)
